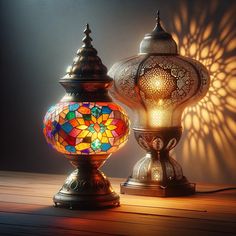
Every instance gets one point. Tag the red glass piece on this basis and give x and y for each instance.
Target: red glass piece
(62, 133)
(70, 140)
(75, 132)
(113, 107)
(121, 127)
(87, 122)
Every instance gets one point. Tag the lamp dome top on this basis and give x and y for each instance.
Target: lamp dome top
(158, 41)
(87, 65)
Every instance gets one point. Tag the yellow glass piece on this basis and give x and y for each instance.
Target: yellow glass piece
(57, 143)
(104, 116)
(63, 115)
(100, 119)
(94, 119)
(111, 127)
(83, 134)
(99, 136)
(94, 136)
(81, 121)
(66, 110)
(82, 127)
(82, 146)
(60, 139)
(105, 140)
(109, 134)
(108, 122)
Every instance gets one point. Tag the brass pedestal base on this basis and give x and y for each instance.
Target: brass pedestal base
(157, 174)
(87, 187)
(177, 188)
(87, 201)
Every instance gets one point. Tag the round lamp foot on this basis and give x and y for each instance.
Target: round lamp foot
(86, 188)
(176, 188)
(86, 201)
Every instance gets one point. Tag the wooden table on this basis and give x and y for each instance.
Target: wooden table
(26, 208)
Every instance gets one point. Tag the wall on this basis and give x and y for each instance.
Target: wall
(39, 39)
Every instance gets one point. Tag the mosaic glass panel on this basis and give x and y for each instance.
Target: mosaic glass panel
(86, 128)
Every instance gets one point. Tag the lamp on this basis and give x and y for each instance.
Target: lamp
(86, 126)
(158, 84)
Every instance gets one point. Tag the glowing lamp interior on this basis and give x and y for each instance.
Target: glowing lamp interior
(86, 127)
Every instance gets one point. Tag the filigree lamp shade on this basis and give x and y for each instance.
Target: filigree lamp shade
(86, 126)
(158, 84)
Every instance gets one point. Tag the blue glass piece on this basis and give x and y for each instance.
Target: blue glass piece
(56, 127)
(105, 146)
(106, 110)
(96, 111)
(54, 123)
(85, 151)
(73, 107)
(70, 148)
(67, 127)
(91, 128)
(86, 104)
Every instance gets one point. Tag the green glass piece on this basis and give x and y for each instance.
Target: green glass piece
(96, 144)
(87, 117)
(96, 112)
(70, 115)
(102, 128)
(91, 128)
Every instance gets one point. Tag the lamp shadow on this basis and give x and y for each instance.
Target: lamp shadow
(206, 32)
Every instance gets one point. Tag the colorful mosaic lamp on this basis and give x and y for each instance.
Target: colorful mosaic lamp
(86, 126)
(158, 84)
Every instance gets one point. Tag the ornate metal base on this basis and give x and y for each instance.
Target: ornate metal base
(87, 201)
(87, 187)
(157, 173)
(177, 188)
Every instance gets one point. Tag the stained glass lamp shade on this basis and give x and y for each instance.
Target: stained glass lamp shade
(76, 128)
(158, 84)
(87, 127)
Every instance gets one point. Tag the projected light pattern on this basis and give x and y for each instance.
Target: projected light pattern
(210, 124)
(86, 128)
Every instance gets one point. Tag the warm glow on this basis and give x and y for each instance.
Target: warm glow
(86, 127)
(210, 124)
(157, 83)
(159, 117)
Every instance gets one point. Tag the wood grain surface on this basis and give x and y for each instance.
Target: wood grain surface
(26, 208)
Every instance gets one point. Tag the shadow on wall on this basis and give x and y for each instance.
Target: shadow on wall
(210, 129)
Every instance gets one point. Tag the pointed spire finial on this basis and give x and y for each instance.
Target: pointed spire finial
(158, 17)
(87, 39)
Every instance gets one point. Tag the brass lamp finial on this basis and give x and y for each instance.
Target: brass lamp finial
(87, 39)
(158, 17)
(158, 28)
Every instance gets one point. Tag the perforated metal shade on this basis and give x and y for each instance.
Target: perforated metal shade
(158, 83)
